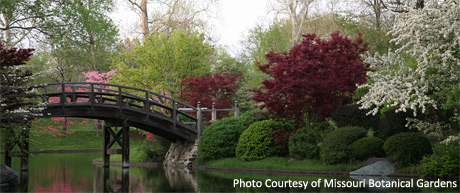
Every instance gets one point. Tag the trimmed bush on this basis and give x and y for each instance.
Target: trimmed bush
(392, 123)
(220, 138)
(367, 147)
(353, 116)
(256, 142)
(405, 149)
(304, 144)
(336, 146)
(443, 163)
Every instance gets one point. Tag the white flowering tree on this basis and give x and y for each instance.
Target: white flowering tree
(432, 36)
(17, 104)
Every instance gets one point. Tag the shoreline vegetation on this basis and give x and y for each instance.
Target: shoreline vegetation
(85, 140)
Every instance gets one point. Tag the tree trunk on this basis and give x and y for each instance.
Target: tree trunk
(145, 24)
(377, 11)
(92, 51)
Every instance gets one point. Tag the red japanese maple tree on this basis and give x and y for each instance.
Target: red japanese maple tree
(313, 79)
(218, 88)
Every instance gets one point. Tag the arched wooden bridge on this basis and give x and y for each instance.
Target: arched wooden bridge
(125, 107)
(121, 106)
(116, 104)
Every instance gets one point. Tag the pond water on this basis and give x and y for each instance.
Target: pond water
(74, 172)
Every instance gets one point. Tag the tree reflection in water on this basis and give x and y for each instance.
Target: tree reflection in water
(115, 179)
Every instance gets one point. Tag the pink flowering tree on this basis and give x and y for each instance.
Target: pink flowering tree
(59, 125)
(97, 77)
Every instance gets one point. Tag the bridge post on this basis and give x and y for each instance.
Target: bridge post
(214, 112)
(237, 109)
(106, 136)
(121, 137)
(7, 158)
(25, 147)
(199, 116)
(125, 147)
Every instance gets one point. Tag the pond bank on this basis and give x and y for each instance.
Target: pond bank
(63, 151)
(258, 170)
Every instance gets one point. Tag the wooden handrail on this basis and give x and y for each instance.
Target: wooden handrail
(125, 87)
(118, 95)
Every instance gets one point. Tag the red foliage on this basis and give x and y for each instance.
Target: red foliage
(13, 80)
(313, 79)
(218, 88)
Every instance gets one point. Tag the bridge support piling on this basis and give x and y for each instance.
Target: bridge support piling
(125, 148)
(111, 137)
(106, 156)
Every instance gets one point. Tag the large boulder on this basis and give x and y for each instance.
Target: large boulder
(380, 168)
(8, 179)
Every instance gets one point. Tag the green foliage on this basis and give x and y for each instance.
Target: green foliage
(257, 142)
(367, 147)
(336, 147)
(160, 63)
(305, 141)
(154, 151)
(260, 41)
(254, 115)
(219, 140)
(392, 123)
(405, 149)
(353, 116)
(444, 162)
(378, 40)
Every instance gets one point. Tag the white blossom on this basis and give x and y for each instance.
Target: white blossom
(432, 36)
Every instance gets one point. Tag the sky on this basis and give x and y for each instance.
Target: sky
(236, 18)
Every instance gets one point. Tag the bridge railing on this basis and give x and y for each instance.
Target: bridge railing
(121, 96)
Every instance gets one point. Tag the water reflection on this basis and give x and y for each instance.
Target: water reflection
(76, 173)
(114, 184)
(117, 179)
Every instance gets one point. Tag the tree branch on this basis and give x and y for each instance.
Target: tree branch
(24, 35)
(135, 4)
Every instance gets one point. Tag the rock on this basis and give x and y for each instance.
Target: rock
(181, 153)
(433, 135)
(380, 168)
(8, 179)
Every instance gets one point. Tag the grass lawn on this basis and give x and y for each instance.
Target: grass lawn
(282, 163)
(84, 138)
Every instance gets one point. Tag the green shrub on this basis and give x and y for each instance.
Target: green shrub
(367, 147)
(305, 142)
(353, 116)
(254, 115)
(154, 151)
(220, 138)
(405, 149)
(392, 123)
(336, 145)
(256, 142)
(444, 162)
